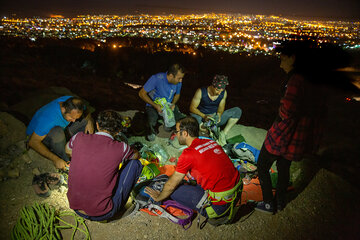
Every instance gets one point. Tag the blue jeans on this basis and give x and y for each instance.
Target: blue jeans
(56, 139)
(234, 112)
(190, 196)
(128, 176)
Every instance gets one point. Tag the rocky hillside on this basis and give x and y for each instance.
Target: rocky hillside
(324, 205)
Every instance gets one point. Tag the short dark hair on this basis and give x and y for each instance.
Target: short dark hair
(175, 68)
(191, 125)
(73, 103)
(110, 121)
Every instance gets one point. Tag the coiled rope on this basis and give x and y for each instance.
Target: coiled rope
(41, 221)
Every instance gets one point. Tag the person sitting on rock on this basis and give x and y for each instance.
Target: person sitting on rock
(162, 85)
(218, 181)
(52, 123)
(97, 188)
(210, 102)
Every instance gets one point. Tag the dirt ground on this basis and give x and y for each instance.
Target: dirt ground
(324, 203)
(325, 207)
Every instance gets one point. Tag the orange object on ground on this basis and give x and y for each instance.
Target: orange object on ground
(173, 211)
(167, 169)
(251, 191)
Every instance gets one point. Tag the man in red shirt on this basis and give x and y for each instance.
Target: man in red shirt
(97, 188)
(217, 179)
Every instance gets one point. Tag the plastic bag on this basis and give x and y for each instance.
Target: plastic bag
(160, 153)
(167, 113)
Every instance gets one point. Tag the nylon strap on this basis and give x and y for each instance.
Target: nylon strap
(226, 195)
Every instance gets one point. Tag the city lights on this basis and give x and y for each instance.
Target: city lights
(234, 33)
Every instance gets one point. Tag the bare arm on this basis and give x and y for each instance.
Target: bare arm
(68, 150)
(89, 128)
(169, 187)
(136, 154)
(176, 99)
(35, 143)
(145, 97)
(195, 103)
(221, 107)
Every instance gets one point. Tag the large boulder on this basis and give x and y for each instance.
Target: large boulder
(11, 131)
(29, 105)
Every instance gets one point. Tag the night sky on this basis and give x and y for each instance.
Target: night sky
(334, 9)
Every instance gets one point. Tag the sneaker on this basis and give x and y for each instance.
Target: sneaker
(40, 186)
(151, 137)
(280, 206)
(218, 221)
(54, 179)
(264, 207)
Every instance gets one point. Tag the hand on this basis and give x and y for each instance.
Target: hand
(172, 107)
(154, 194)
(206, 118)
(158, 108)
(89, 128)
(61, 164)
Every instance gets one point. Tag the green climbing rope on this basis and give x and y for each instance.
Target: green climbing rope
(41, 221)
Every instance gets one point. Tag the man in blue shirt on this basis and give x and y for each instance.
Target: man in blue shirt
(210, 102)
(46, 128)
(162, 85)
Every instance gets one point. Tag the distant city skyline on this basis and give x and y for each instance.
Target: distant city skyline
(330, 9)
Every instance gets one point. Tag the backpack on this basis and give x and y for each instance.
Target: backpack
(144, 202)
(139, 125)
(246, 152)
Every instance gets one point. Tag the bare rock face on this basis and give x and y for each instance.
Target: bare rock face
(32, 103)
(11, 131)
(13, 173)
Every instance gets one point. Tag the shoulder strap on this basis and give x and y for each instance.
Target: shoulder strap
(185, 223)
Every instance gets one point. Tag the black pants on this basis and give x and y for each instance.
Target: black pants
(56, 139)
(264, 164)
(153, 116)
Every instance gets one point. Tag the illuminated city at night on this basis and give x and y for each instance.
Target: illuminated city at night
(243, 34)
(186, 119)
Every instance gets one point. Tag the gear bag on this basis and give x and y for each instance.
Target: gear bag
(144, 202)
(246, 152)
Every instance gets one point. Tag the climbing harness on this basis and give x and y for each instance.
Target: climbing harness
(230, 196)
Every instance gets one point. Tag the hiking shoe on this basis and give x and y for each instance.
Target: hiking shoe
(151, 137)
(40, 186)
(264, 207)
(280, 206)
(54, 179)
(218, 221)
